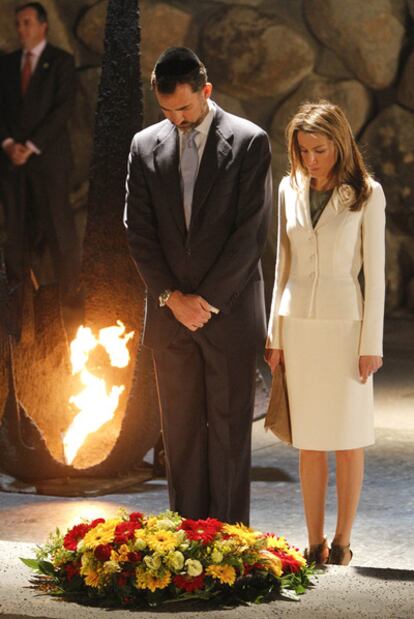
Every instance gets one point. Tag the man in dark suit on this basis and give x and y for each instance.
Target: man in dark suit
(36, 97)
(198, 204)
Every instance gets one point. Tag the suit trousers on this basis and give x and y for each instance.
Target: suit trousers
(206, 398)
(38, 214)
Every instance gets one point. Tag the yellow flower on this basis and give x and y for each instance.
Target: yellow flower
(103, 533)
(226, 574)
(243, 534)
(175, 561)
(152, 522)
(277, 542)
(272, 563)
(162, 541)
(111, 567)
(92, 579)
(146, 580)
(140, 539)
(122, 555)
(194, 567)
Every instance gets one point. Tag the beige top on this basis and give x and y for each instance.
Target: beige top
(317, 268)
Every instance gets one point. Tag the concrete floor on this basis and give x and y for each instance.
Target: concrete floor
(382, 535)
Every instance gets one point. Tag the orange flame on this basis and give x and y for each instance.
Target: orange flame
(96, 406)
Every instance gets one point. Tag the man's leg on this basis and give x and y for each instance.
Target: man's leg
(230, 386)
(180, 381)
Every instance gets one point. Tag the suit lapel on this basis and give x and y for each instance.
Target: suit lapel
(217, 149)
(302, 202)
(166, 161)
(15, 76)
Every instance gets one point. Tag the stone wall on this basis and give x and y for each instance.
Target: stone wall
(264, 57)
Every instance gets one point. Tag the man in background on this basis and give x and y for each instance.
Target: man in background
(198, 205)
(37, 85)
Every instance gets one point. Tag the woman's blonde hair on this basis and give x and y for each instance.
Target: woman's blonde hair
(326, 118)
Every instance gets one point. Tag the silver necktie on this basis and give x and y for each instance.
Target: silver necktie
(189, 167)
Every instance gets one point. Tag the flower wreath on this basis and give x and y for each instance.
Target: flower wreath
(135, 559)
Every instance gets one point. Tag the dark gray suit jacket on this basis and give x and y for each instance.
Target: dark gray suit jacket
(219, 257)
(42, 115)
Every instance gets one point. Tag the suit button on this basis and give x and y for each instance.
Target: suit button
(188, 252)
(311, 257)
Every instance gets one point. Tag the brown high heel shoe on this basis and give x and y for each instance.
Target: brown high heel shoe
(317, 553)
(340, 555)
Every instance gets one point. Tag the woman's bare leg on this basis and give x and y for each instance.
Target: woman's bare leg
(313, 467)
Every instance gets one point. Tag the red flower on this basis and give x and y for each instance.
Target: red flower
(134, 557)
(71, 569)
(189, 584)
(247, 568)
(136, 516)
(74, 535)
(125, 531)
(201, 530)
(102, 552)
(78, 532)
(289, 563)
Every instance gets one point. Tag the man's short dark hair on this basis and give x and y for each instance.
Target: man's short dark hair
(178, 65)
(36, 6)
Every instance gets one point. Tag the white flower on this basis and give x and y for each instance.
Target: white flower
(216, 556)
(346, 194)
(194, 567)
(153, 562)
(175, 560)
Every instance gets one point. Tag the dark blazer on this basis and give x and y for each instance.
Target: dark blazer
(42, 115)
(219, 257)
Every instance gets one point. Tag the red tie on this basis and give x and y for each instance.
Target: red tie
(26, 73)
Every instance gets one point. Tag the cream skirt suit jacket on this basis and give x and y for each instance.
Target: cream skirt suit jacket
(321, 319)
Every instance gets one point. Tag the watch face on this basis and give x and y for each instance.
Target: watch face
(164, 296)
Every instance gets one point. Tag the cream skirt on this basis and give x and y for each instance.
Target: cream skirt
(330, 408)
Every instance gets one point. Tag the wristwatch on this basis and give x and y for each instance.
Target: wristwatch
(164, 296)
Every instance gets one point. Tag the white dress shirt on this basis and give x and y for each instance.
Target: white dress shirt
(201, 131)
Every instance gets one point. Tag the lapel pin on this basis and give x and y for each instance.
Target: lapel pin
(45, 65)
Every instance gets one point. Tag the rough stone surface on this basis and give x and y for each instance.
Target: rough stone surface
(253, 55)
(351, 95)
(330, 65)
(367, 35)
(389, 141)
(59, 31)
(82, 122)
(162, 26)
(91, 27)
(406, 85)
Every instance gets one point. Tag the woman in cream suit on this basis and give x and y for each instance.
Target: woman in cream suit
(322, 328)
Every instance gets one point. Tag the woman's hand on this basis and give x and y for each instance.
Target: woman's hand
(274, 356)
(368, 364)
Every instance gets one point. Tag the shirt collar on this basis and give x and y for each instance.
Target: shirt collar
(204, 126)
(38, 49)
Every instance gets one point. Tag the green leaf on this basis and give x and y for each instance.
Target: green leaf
(46, 568)
(32, 563)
